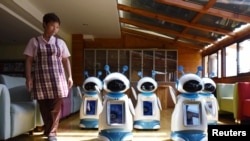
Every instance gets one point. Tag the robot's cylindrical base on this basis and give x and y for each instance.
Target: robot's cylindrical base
(189, 135)
(115, 135)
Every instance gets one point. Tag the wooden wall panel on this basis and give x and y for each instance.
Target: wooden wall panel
(131, 41)
(233, 79)
(77, 59)
(104, 43)
(190, 59)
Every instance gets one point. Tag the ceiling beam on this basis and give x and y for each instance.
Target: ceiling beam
(166, 31)
(198, 16)
(169, 41)
(173, 20)
(211, 11)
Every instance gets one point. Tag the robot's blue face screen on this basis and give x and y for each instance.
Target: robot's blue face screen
(147, 108)
(192, 86)
(90, 107)
(192, 115)
(147, 86)
(90, 86)
(117, 113)
(116, 85)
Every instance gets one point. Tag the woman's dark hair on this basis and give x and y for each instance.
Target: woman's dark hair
(50, 17)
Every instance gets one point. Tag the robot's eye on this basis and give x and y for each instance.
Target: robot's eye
(90, 86)
(209, 87)
(116, 85)
(147, 86)
(192, 86)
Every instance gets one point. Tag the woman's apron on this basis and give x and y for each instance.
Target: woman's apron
(49, 78)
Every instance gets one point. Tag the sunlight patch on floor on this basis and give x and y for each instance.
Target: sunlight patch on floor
(90, 136)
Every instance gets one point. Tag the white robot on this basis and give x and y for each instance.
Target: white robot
(148, 105)
(212, 106)
(91, 105)
(116, 118)
(189, 120)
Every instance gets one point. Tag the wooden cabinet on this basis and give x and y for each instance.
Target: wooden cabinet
(163, 62)
(164, 95)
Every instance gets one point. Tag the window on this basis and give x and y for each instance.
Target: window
(113, 60)
(171, 65)
(136, 64)
(164, 62)
(231, 60)
(205, 68)
(219, 64)
(160, 66)
(90, 62)
(212, 64)
(244, 56)
(148, 62)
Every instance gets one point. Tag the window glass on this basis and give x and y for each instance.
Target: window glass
(219, 64)
(160, 65)
(113, 60)
(172, 65)
(231, 60)
(124, 60)
(212, 64)
(244, 56)
(101, 61)
(89, 62)
(136, 64)
(205, 68)
(148, 65)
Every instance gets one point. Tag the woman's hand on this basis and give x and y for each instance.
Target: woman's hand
(29, 84)
(70, 82)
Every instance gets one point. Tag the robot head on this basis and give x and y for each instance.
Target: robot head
(116, 81)
(189, 82)
(209, 84)
(147, 84)
(92, 84)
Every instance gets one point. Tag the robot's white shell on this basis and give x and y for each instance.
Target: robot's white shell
(116, 76)
(144, 80)
(92, 79)
(185, 79)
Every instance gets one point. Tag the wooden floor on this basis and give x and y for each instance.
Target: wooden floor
(69, 130)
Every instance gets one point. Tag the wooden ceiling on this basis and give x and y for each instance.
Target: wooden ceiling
(195, 24)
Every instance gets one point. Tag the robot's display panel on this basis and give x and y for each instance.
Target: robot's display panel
(192, 113)
(210, 107)
(116, 112)
(147, 108)
(90, 106)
